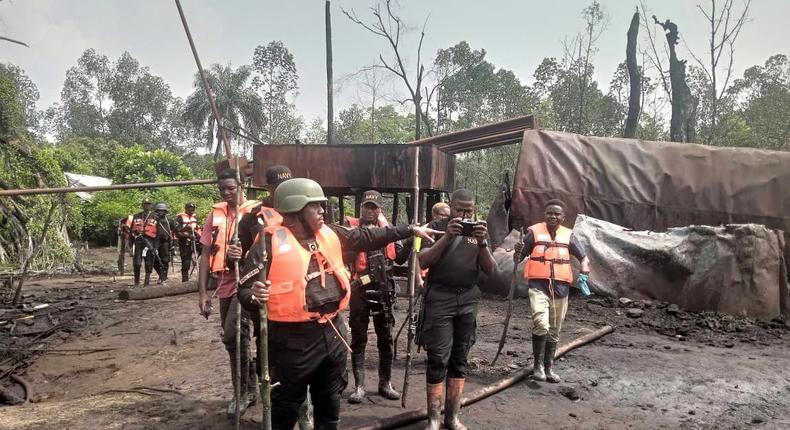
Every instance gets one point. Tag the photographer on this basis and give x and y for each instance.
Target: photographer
(451, 299)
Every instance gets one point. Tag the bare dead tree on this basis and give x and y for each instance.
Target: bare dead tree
(596, 22)
(652, 53)
(386, 24)
(725, 27)
(682, 127)
(634, 79)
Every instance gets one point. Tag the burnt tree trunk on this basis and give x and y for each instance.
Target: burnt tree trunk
(330, 110)
(682, 127)
(632, 120)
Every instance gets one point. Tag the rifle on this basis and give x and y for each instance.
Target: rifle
(511, 294)
(150, 246)
(378, 272)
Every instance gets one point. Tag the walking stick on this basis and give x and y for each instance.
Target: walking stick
(414, 269)
(511, 294)
(229, 154)
(263, 338)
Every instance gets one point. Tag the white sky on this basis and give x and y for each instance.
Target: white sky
(517, 34)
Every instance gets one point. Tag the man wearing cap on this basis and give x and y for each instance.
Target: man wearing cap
(275, 175)
(187, 230)
(372, 294)
(307, 288)
(216, 267)
(163, 242)
(142, 234)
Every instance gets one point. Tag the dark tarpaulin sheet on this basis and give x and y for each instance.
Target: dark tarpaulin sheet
(650, 185)
(738, 269)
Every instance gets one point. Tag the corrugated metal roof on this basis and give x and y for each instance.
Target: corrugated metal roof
(485, 136)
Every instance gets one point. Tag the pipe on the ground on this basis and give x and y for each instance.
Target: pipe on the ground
(414, 416)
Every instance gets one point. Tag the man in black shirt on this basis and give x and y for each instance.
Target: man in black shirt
(549, 246)
(451, 298)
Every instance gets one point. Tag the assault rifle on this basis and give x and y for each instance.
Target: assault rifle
(378, 272)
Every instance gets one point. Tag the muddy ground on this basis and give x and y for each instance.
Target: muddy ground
(157, 364)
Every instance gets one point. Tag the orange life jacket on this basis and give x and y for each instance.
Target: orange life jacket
(138, 224)
(548, 253)
(288, 273)
(270, 216)
(149, 227)
(189, 222)
(361, 263)
(222, 232)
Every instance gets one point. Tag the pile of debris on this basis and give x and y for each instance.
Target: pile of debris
(713, 328)
(30, 329)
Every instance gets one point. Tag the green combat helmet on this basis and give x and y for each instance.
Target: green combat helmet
(160, 207)
(294, 194)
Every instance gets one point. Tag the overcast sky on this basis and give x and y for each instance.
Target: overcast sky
(517, 34)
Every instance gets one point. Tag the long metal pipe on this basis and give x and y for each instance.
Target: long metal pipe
(66, 190)
(206, 87)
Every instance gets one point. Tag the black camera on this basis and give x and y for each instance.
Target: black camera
(468, 227)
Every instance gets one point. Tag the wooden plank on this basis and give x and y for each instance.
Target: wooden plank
(340, 168)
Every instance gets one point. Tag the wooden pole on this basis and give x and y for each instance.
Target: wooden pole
(330, 109)
(206, 87)
(235, 240)
(414, 272)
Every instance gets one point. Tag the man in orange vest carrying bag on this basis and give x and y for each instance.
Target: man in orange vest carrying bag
(372, 294)
(307, 289)
(549, 246)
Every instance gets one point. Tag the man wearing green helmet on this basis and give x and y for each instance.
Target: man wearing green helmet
(306, 289)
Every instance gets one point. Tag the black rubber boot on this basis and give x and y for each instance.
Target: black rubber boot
(147, 279)
(358, 368)
(184, 276)
(385, 374)
(136, 277)
(538, 347)
(548, 362)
